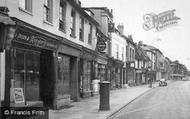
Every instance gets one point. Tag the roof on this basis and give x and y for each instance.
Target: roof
(82, 11)
(130, 40)
(140, 53)
(101, 8)
(149, 47)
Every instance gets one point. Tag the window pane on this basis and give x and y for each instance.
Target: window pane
(48, 10)
(61, 13)
(19, 71)
(32, 76)
(72, 27)
(28, 5)
(81, 29)
(22, 3)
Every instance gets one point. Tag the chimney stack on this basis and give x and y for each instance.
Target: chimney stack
(140, 43)
(130, 37)
(120, 28)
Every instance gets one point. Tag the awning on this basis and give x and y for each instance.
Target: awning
(6, 20)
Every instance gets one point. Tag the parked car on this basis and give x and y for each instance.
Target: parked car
(184, 78)
(162, 82)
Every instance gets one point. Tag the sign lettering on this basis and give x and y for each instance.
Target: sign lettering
(160, 21)
(34, 40)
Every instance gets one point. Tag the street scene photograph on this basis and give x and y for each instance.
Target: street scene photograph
(94, 59)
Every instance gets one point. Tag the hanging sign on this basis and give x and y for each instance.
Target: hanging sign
(101, 45)
(18, 95)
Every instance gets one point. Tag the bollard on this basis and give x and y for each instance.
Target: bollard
(104, 95)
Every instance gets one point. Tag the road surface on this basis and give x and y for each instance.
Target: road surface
(170, 102)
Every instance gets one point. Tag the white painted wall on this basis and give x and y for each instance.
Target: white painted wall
(120, 41)
(36, 19)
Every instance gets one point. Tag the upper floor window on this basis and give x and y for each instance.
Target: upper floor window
(90, 34)
(122, 54)
(117, 51)
(130, 54)
(81, 29)
(26, 5)
(72, 26)
(133, 56)
(62, 16)
(48, 5)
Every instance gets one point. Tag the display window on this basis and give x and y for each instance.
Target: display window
(26, 73)
(101, 72)
(87, 76)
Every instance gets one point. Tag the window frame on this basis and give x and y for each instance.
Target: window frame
(62, 16)
(26, 6)
(48, 11)
(81, 29)
(73, 23)
(90, 34)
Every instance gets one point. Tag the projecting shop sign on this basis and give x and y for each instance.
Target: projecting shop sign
(101, 45)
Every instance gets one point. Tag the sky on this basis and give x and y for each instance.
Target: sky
(174, 41)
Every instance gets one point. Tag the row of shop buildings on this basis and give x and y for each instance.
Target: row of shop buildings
(55, 52)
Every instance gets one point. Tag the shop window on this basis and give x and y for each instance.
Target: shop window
(101, 72)
(48, 14)
(26, 5)
(26, 74)
(87, 75)
(62, 16)
(63, 83)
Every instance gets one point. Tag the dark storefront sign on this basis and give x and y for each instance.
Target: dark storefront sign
(34, 40)
(101, 45)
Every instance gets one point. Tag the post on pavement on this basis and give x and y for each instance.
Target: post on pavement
(104, 95)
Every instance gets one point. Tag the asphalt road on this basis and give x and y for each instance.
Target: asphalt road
(170, 102)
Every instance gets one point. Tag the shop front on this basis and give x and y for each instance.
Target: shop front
(139, 76)
(131, 74)
(67, 78)
(118, 66)
(111, 72)
(5, 24)
(30, 65)
(87, 72)
(101, 67)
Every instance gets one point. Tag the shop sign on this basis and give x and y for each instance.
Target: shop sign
(18, 95)
(34, 40)
(101, 45)
(160, 21)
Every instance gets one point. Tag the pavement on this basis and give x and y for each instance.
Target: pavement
(89, 108)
